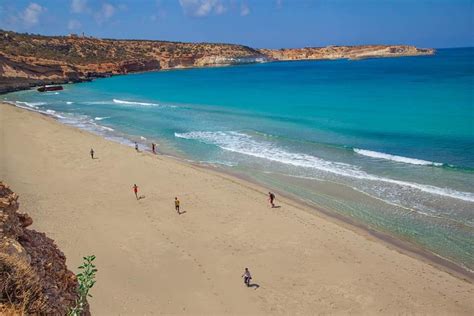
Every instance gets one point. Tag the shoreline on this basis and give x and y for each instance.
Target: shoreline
(153, 261)
(393, 242)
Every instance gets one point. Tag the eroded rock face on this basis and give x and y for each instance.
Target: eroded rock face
(34, 277)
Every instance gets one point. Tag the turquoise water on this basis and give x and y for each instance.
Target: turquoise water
(388, 143)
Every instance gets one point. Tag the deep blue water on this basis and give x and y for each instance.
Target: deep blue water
(387, 142)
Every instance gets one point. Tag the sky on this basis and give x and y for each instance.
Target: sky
(256, 23)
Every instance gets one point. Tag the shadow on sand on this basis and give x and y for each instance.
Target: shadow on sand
(254, 285)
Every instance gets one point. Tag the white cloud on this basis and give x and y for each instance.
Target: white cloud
(79, 6)
(31, 15)
(74, 25)
(202, 8)
(108, 10)
(244, 9)
(105, 13)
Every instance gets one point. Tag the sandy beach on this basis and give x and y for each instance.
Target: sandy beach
(153, 261)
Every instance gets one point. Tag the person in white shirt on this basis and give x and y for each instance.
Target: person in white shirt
(247, 277)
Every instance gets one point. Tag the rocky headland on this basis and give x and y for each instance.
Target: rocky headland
(34, 278)
(28, 60)
(346, 52)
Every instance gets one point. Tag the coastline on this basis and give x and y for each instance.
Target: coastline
(396, 249)
(397, 243)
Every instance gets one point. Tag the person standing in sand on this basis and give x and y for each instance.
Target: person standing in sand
(247, 277)
(153, 146)
(92, 153)
(176, 204)
(136, 146)
(271, 199)
(135, 190)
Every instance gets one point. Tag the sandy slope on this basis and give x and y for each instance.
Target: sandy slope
(153, 261)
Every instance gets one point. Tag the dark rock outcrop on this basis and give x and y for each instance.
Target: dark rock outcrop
(34, 278)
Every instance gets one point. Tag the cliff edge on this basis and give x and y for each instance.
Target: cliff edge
(34, 278)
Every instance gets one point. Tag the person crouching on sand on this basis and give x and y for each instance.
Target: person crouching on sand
(176, 204)
(135, 190)
(247, 277)
(92, 153)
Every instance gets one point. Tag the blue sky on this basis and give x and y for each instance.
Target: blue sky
(257, 23)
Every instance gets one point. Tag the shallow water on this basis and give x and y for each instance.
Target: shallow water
(386, 142)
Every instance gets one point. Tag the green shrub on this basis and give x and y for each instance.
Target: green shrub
(86, 279)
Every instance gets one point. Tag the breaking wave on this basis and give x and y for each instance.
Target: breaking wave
(33, 105)
(134, 103)
(379, 155)
(245, 144)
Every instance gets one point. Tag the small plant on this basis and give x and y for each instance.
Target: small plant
(86, 282)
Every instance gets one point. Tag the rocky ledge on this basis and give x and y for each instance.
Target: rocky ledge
(34, 278)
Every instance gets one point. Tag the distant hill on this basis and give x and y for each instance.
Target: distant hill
(28, 60)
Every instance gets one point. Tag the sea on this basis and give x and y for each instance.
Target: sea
(387, 143)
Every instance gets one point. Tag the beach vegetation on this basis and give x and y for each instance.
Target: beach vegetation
(86, 280)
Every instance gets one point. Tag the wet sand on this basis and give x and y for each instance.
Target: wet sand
(152, 260)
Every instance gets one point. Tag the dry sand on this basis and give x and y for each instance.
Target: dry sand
(153, 261)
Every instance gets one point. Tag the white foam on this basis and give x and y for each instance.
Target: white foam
(244, 144)
(106, 128)
(134, 102)
(142, 138)
(33, 105)
(379, 155)
(69, 102)
(98, 118)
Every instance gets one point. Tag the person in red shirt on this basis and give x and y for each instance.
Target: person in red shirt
(135, 190)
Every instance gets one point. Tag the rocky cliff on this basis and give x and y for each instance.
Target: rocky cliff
(34, 278)
(27, 60)
(346, 52)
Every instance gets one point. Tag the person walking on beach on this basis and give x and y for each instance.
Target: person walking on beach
(135, 190)
(153, 147)
(176, 204)
(271, 199)
(92, 153)
(136, 146)
(247, 277)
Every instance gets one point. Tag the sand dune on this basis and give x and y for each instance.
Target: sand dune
(153, 261)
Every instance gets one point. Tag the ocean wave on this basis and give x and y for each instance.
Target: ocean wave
(98, 118)
(134, 102)
(105, 128)
(245, 144)
(69, 102)
(30, 104)
(379, 155)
